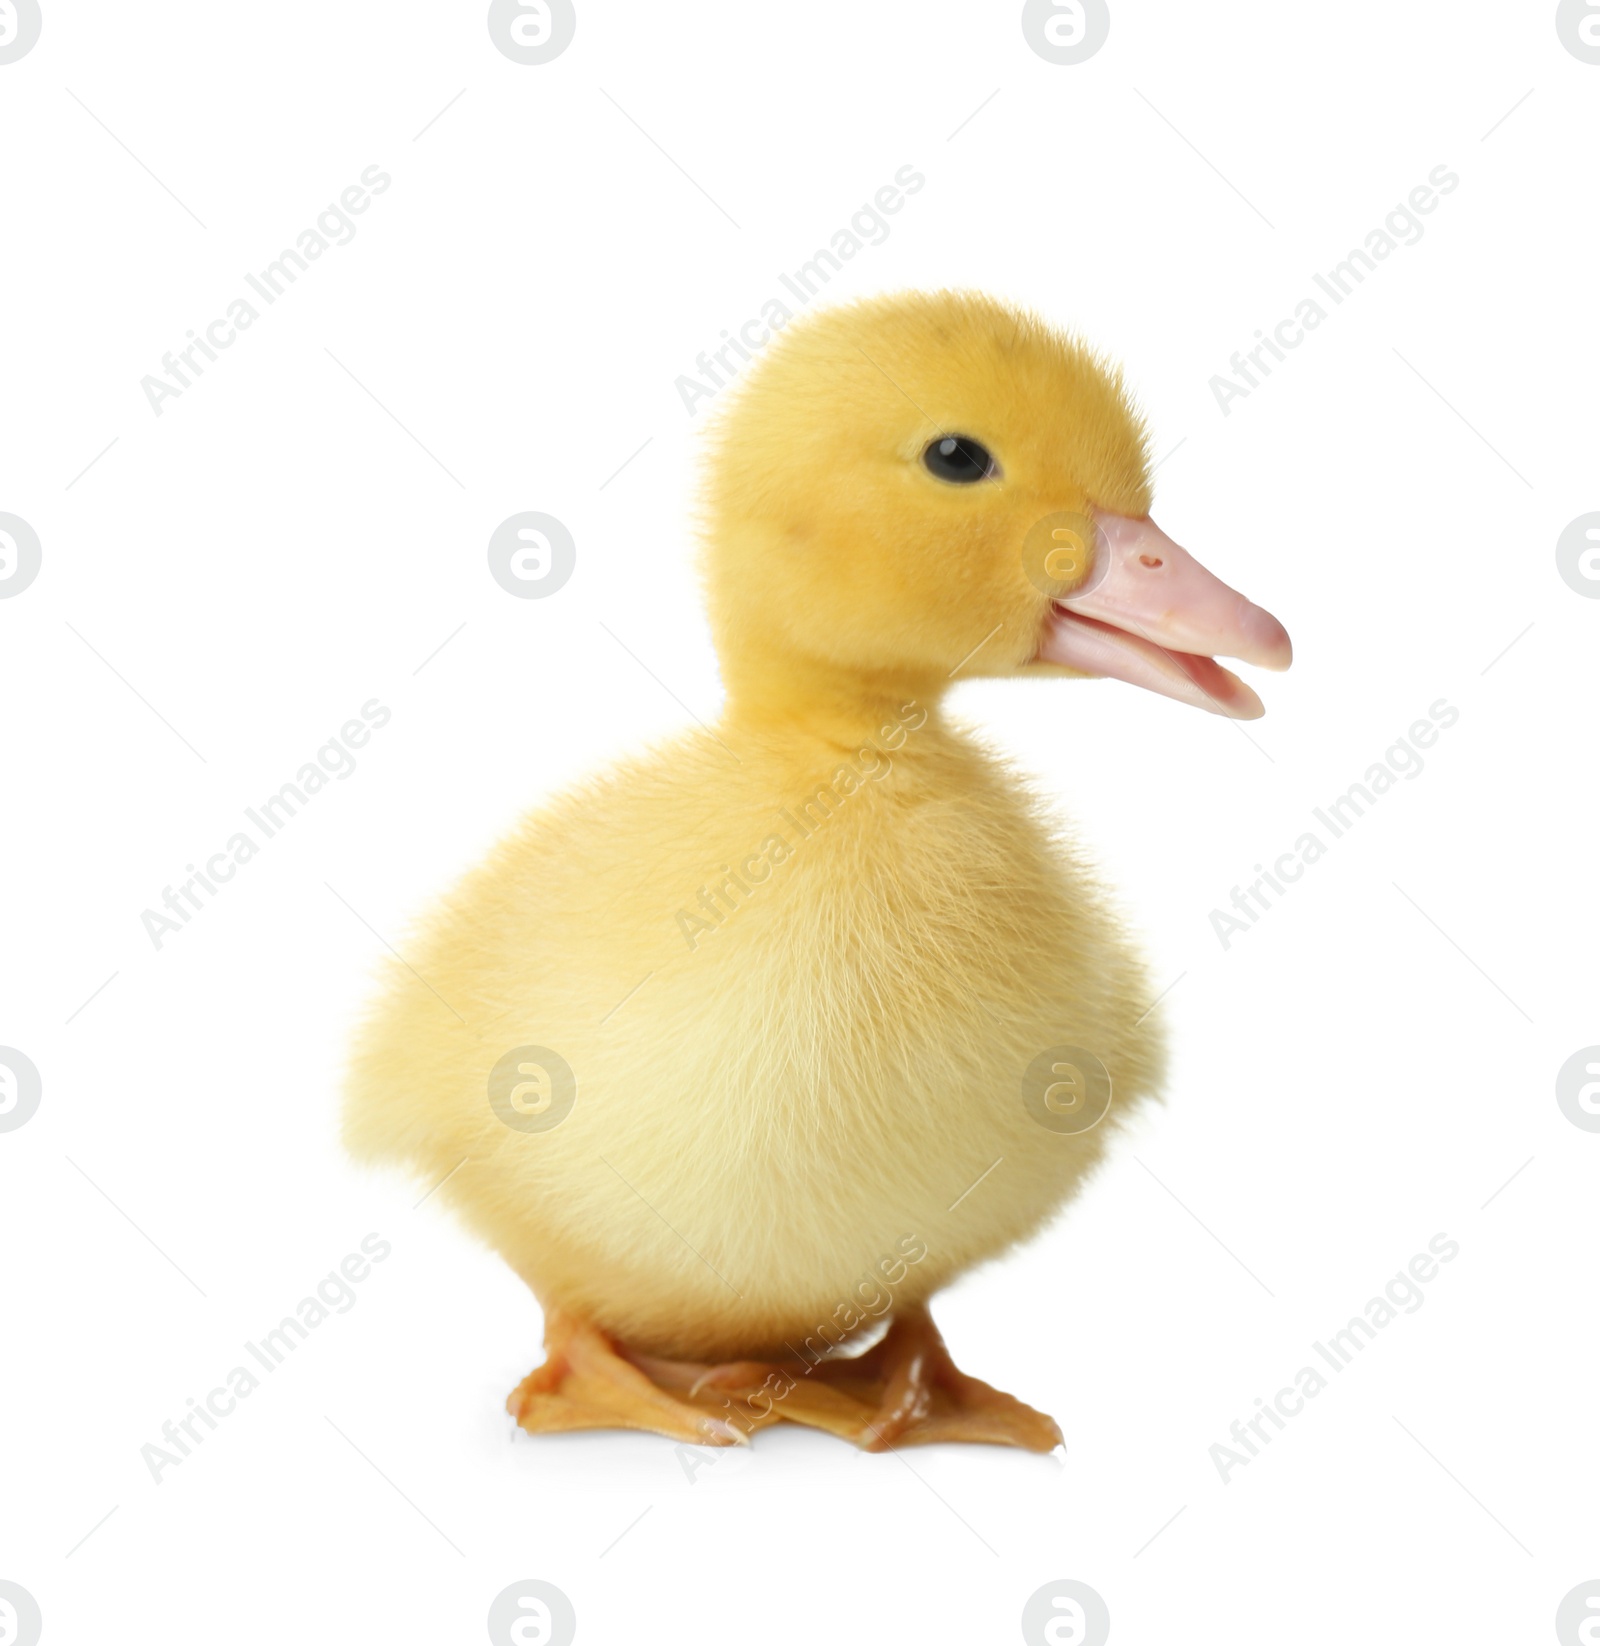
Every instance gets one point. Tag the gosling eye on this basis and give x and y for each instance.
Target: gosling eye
(960, 459)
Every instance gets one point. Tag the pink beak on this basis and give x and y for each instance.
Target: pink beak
(1150, 614)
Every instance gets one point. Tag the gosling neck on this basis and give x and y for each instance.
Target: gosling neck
(783, 699)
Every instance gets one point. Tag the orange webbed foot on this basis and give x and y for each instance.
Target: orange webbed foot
(923, 1397)
(905, 1390)
(586, 1383)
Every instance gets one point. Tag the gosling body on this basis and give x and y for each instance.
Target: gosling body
(799, 985)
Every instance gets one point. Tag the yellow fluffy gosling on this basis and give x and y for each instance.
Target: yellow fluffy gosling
(857, 930)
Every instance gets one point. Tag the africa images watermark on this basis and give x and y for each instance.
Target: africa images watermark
(870, 765)
(335, 226)
(1402, 1295)
(1340, 281)
(1402, 758)
(869, 226)
(335, 759)
(335, 1294)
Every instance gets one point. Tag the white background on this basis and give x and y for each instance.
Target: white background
(230, 581)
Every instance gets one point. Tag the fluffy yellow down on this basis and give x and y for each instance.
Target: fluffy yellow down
(858, 929)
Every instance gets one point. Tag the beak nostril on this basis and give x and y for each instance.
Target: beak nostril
(1150, 561)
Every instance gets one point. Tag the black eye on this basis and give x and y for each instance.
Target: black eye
(958, 457)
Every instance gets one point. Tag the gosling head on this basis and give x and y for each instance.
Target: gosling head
(926, 487)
